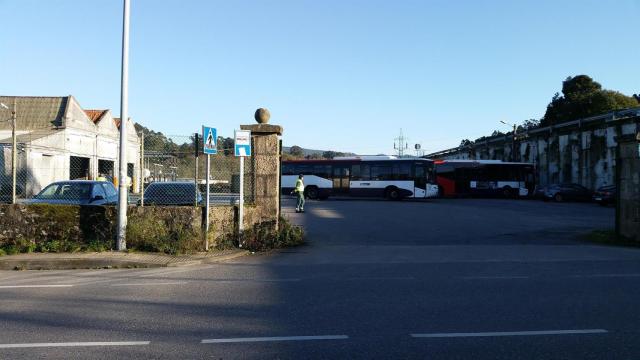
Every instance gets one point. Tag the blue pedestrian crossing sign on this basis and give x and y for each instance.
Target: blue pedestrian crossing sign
(242, 143)
(209, 140)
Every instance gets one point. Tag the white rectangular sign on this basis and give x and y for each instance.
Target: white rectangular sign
(242, 143)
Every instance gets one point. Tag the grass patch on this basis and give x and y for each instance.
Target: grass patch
(608, 237)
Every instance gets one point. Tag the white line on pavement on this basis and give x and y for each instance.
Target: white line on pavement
(152, 284)
(33, 286)
(74, 344)
(510, 333)
(604, 275)
(493, 277)
(381, 278)
(274, 338)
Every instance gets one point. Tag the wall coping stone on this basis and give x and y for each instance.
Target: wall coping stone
(263, 129)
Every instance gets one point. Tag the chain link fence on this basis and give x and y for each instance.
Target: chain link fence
(161, 170)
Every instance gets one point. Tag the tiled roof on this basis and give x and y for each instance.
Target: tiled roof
(95, 115)
(117, 122)
(34, 112)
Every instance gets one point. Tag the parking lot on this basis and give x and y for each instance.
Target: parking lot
(450, 222)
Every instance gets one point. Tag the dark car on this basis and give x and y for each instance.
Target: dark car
(171, 193)
(567, 192)
(77, 192)
(605, 195)
(539, 192)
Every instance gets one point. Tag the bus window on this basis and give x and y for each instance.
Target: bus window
(360, 173)
(381, 172)
(402, 172)
(323, 171)
(287, 169)
(304, 169)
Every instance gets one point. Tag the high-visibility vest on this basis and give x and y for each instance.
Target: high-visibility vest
(299, 186)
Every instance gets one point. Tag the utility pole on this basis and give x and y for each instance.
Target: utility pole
(123, 200)
(14, 151)
(513, 140)
(142, 168)
(400, 144)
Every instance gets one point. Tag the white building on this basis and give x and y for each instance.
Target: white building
(58, 140)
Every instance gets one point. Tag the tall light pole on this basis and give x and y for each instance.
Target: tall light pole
(123, 198)
(513, 140)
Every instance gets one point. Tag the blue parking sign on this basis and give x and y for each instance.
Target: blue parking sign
(209, 140)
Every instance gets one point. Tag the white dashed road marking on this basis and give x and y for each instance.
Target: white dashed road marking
(74, 344)
(153, 284)
(511, 333)
(274, 338)
(493, 277)
(33, 286)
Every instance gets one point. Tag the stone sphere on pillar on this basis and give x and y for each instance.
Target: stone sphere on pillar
(262, 116)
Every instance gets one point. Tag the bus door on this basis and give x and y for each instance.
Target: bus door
(340, 178)
(420, 180)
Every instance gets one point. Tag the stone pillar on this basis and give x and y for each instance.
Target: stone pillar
(628, 186)
(266, 172)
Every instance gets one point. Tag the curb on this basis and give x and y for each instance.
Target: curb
(106, 263)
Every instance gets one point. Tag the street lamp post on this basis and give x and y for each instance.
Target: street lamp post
(123, 200)
(513, 140)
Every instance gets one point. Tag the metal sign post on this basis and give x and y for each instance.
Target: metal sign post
(209, 146)
(242, 148)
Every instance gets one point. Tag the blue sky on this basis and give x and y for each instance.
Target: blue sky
(343, 75)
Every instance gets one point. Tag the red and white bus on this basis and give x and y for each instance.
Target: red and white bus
(485, 177)
(366, 176)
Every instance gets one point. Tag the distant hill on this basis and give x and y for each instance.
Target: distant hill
(311, 152)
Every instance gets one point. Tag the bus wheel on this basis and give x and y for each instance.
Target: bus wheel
(558, 197)
(507, 192)
(312, 192)
(393, 193)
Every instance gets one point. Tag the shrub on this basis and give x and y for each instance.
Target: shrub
(264, 236)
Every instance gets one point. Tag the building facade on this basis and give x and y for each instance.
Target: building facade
(58, 140)
(581, 151)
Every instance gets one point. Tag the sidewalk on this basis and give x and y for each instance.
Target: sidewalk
(111, 259)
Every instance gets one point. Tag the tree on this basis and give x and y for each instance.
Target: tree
(497, 133)
(637, 97)
(296, 151)
(465, 143)
(583, 97)
(529, 124)
(330, 154)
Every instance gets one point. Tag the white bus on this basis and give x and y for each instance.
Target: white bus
(367, 176)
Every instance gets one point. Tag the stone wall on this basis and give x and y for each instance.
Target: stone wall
(266, 161)
(581, 151)
(628, 208)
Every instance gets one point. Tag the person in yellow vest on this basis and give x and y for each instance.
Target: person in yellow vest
(299, 190)
(101, 177)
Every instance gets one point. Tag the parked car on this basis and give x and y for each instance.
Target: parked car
(564, 192)
(171, 193)
(77, 192)
(605, 195)
(539, 192)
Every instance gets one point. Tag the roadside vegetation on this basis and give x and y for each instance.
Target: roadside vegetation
(264, 237)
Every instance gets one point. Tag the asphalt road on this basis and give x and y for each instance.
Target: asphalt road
(442, 279)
